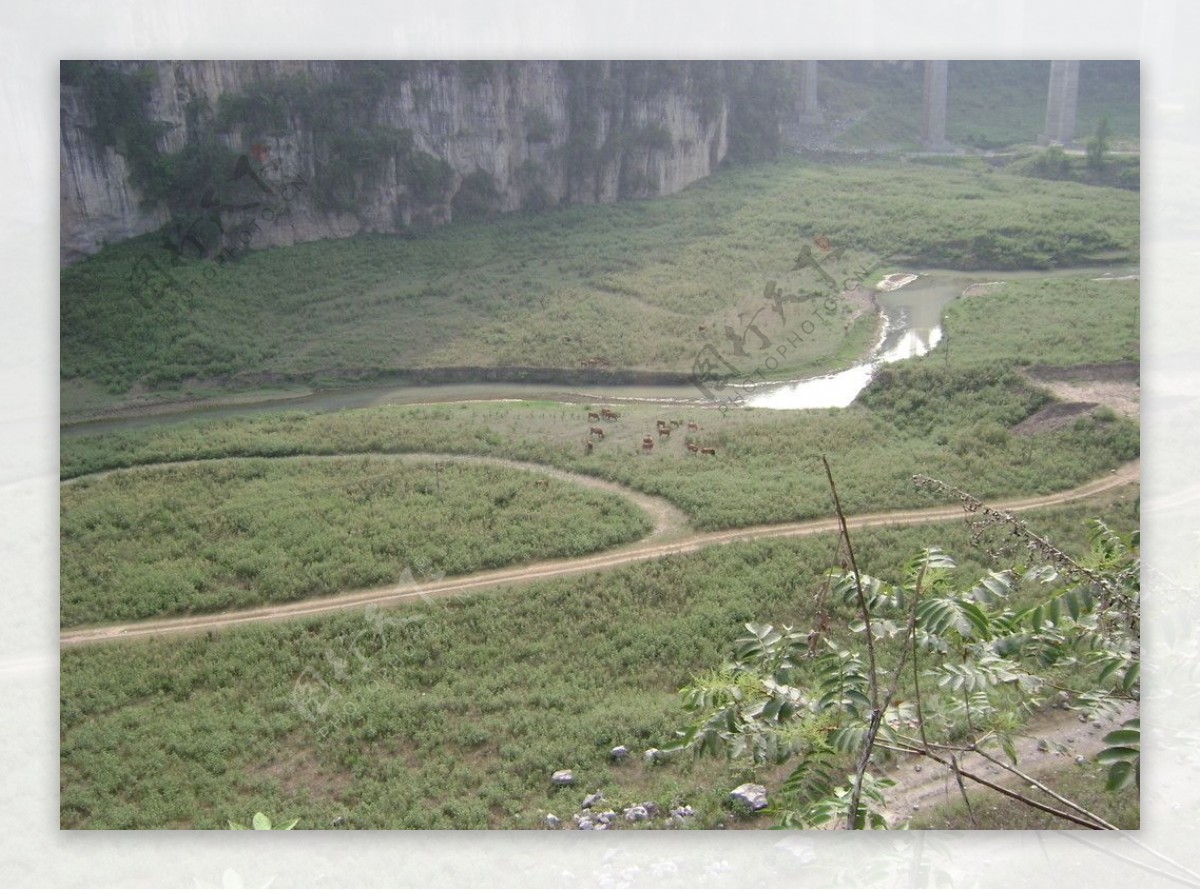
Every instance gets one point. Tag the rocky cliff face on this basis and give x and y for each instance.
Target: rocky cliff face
(376, 146)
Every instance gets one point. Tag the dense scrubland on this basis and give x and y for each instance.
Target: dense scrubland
(228, 534)
(454, 713)
(949, 414)
(629, 284)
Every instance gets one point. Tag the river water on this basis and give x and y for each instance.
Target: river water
(911, 319)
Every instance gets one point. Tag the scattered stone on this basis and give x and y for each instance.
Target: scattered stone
(592, 799)
(1064, 700)
(652, 755)
(338, 821)
(1042, 745)
(552, 821)
(563, 777)
(619, 753)
(1080, 759)
(916, 769)
(636, 814)
(683, 812)
(1083, 718)
(753, 796)
(651, 808)
(600, 826)
(916, 807)
(1098, 725)
(606, 817)
(586, 824)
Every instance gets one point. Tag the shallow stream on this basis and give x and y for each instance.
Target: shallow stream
(911, 319)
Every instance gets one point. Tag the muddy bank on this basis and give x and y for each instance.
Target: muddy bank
(239, 389)
(1115, 385)
(1053, 417)
(1116, 371)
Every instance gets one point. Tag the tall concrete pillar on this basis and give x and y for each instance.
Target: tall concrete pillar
(933, 106)
(1060, 103)
(810, 108)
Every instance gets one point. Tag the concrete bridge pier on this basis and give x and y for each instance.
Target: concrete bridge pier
(810, 107)
(933, 106)
(1060, 104)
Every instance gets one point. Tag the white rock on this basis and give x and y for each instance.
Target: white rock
(636, 814)
(753, 796)
(563, 777)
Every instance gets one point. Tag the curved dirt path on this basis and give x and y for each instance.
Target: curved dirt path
(670, 524)
(668, 519)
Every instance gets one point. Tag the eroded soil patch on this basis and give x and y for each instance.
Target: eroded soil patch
(1115, 385)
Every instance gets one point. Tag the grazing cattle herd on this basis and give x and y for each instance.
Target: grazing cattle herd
(663, 428)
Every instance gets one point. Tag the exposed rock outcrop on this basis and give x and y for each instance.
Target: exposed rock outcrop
(492, 136)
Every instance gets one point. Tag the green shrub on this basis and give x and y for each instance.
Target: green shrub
(477, 197)
(538, 126)
(428, 177)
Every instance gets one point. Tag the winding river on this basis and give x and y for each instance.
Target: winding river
(911, 319)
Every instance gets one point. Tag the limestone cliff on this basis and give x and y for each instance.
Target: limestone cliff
(379, 146)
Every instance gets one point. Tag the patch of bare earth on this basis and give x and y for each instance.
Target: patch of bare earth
(1052, 417)
(1114, 385)
(298, 769)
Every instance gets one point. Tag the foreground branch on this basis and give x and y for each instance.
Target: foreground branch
(876, 710)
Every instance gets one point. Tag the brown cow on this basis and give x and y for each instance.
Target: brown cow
(592, 415)
(693, 447)
(596, 431)
(693, 427)
(609, 415)
(664, 431)
(542, 483)
(711, 451)
(587, 447)
(647, 444)
(676, 424)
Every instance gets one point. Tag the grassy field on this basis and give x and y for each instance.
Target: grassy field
(450, 714)
(947, 422)
(628, 284)
(232, 534)
(1058, 322)
(454, 713)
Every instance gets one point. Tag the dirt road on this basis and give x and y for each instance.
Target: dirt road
(1052, 739)
(669, 537)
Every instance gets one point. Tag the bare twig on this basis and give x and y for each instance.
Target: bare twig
(876, 711)
(1032, 781)
(963, 790)
(972, 504)
(1016, 795)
